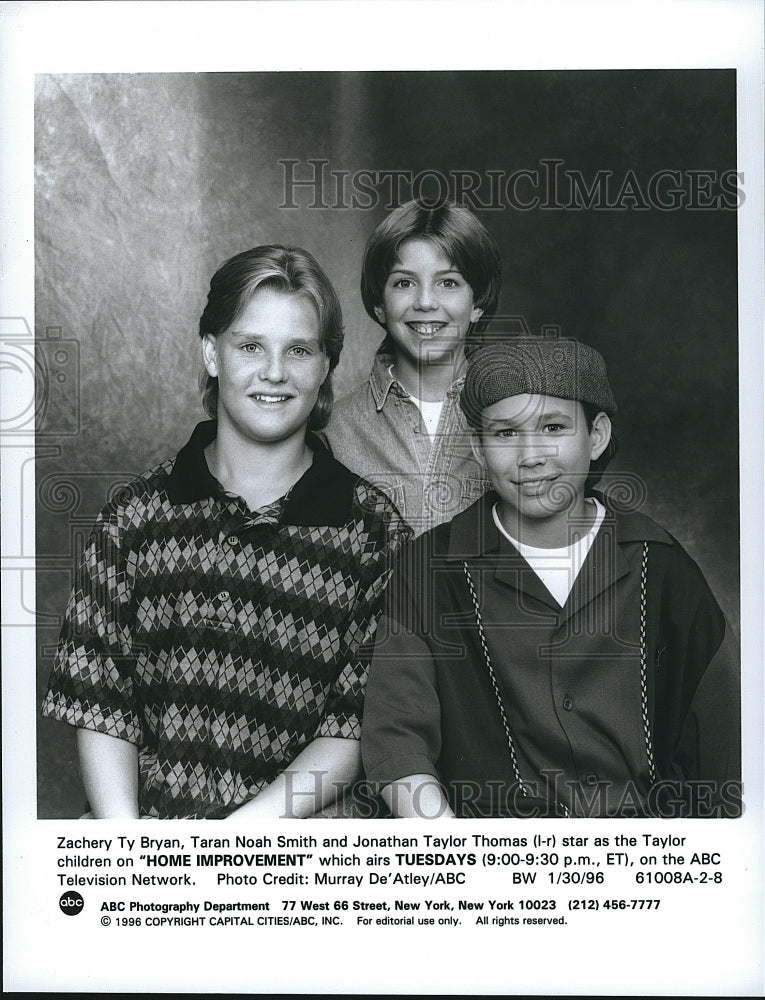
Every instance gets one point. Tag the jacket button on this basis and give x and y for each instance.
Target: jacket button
(232, 539)
(568, 704)
(223, 595)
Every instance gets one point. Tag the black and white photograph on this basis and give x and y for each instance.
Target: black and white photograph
(383, 440)
(571, 218)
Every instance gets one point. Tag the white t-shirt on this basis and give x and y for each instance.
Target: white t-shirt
(558, 568)
(431, 413)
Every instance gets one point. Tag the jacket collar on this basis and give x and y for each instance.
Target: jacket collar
(474, 536)
(322, 496)
(382, 379)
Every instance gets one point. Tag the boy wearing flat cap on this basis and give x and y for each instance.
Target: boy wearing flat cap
(546, 653)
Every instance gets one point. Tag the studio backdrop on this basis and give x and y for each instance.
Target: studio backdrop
(612, 196)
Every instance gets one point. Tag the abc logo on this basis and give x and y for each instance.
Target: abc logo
(71, 903)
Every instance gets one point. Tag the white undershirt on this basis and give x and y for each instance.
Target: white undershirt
(431, 413)
(558, 568)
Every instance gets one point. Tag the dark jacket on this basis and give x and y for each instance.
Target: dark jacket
(614, 704)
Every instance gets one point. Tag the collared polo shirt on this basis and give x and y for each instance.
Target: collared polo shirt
(592, 732)
(219, 640)
(378, 431)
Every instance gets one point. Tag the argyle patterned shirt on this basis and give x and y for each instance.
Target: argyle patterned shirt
(219, 640)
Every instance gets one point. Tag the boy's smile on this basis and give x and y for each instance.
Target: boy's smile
(532, 487)
(537, 452)
(426, 329)
(427, 305)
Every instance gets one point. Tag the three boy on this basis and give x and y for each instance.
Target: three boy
(543, 653)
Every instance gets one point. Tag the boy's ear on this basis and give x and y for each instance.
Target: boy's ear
(475, 314)
(210, 355)
(600, 435)
(381, 317)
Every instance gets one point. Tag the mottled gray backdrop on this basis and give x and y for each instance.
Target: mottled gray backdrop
(145, 183)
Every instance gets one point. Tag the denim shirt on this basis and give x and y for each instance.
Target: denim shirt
(377, 431)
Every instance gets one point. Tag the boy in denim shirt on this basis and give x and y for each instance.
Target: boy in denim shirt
(431, 276)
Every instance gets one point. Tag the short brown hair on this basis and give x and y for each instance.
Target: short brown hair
(455, 230)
